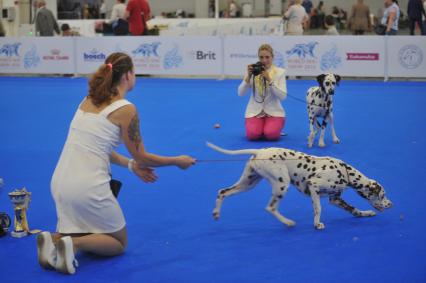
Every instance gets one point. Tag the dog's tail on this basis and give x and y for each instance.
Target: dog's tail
(232, 152)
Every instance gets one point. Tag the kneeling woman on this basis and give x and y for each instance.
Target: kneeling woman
(265, 116)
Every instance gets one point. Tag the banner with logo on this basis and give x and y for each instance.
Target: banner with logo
(154, 55)
(37, 55)
(310, 55)
(406, 56)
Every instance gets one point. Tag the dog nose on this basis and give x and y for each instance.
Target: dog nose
(388, 204)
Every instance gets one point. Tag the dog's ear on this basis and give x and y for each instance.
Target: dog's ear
(320, 79)
(338, 78)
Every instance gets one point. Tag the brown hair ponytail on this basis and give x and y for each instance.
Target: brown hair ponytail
(103, 84)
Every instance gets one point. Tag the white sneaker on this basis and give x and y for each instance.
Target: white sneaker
(46, 250)
(66, 262)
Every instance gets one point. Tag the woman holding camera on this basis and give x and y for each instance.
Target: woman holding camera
(265, 116)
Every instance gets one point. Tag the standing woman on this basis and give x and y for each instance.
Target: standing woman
(391, 17)
(297, 18)
(89, 216)
(264, 116)
(360, 18)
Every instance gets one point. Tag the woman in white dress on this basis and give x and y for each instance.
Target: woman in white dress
(296, 18)
(89, 216)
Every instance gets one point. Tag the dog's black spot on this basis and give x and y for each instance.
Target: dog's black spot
(299, 165)
(297, 183)
(324, 167)
(295, 174)
(282, 188)
(305, 166)
(282, 157)
(280, 179)
(311, 175)
(314, 169)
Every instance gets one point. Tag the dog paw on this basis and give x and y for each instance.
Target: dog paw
(319, 226)
(367, 213)
(336, 140)
(290, 223)
(216, 215)
(321, 144)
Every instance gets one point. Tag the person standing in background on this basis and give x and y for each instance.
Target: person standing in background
(391, 17)
(2, 32)
(296, 19)
(415, 11)
(102, 10)
(360, 18)
(137, 14)
(45, 22)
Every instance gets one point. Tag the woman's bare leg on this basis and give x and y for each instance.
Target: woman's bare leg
(100, 244)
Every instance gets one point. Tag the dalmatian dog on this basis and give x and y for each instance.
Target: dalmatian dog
(313, 176)
(320, 105)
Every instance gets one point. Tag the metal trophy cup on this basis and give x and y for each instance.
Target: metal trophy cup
(20, 200)
(4, 218)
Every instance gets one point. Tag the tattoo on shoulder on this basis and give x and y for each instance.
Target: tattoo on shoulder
(133, 131)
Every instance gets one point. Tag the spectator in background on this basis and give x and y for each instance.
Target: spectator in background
(360, 18)
(335, 13)
(137, 14)
(296, 18)
(320, 14)
(2, 32)
(233, 9)
(330, 26)
(118, 11)
(415, 11)
(391, 17)
(66, 30)
(307, 4)
(102, 10)
(45, 22)
(424, 17)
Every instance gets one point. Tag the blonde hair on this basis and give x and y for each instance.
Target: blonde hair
(266, 47)
(298, 2)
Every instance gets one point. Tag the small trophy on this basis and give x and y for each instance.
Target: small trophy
(20, 200)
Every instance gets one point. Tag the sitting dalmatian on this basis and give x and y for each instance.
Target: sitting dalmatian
(320, 104)
(313, 176)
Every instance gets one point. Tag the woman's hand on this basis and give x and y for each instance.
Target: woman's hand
(266, 75)
(248, 74)
(146, 174)
(184, 161)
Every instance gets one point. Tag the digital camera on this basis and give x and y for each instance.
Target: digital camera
(258, 68)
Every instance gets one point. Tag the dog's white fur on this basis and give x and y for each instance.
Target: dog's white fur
(319, 101)
(311, 175)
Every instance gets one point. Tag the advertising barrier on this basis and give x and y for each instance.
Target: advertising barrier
(356, 56)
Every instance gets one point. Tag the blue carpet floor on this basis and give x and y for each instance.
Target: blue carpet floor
(172, 236)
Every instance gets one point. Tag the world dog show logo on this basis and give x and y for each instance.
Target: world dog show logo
(9, 55)
(31, 58)
(146, 56)
(410, 56)
(302, 57)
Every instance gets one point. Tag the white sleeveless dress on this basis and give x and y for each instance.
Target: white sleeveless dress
(80, 184)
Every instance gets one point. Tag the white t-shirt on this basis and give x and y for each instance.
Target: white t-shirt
(118, 11)
(296, 14)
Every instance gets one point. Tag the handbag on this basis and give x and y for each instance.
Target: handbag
(120, 27)
(115, 187)
(380, 29)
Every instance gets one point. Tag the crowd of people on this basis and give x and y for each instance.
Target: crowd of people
(302, 15)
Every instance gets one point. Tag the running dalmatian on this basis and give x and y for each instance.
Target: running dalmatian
(313, 176)
(320, 104)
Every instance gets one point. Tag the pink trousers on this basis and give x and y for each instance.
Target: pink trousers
(268, 127)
